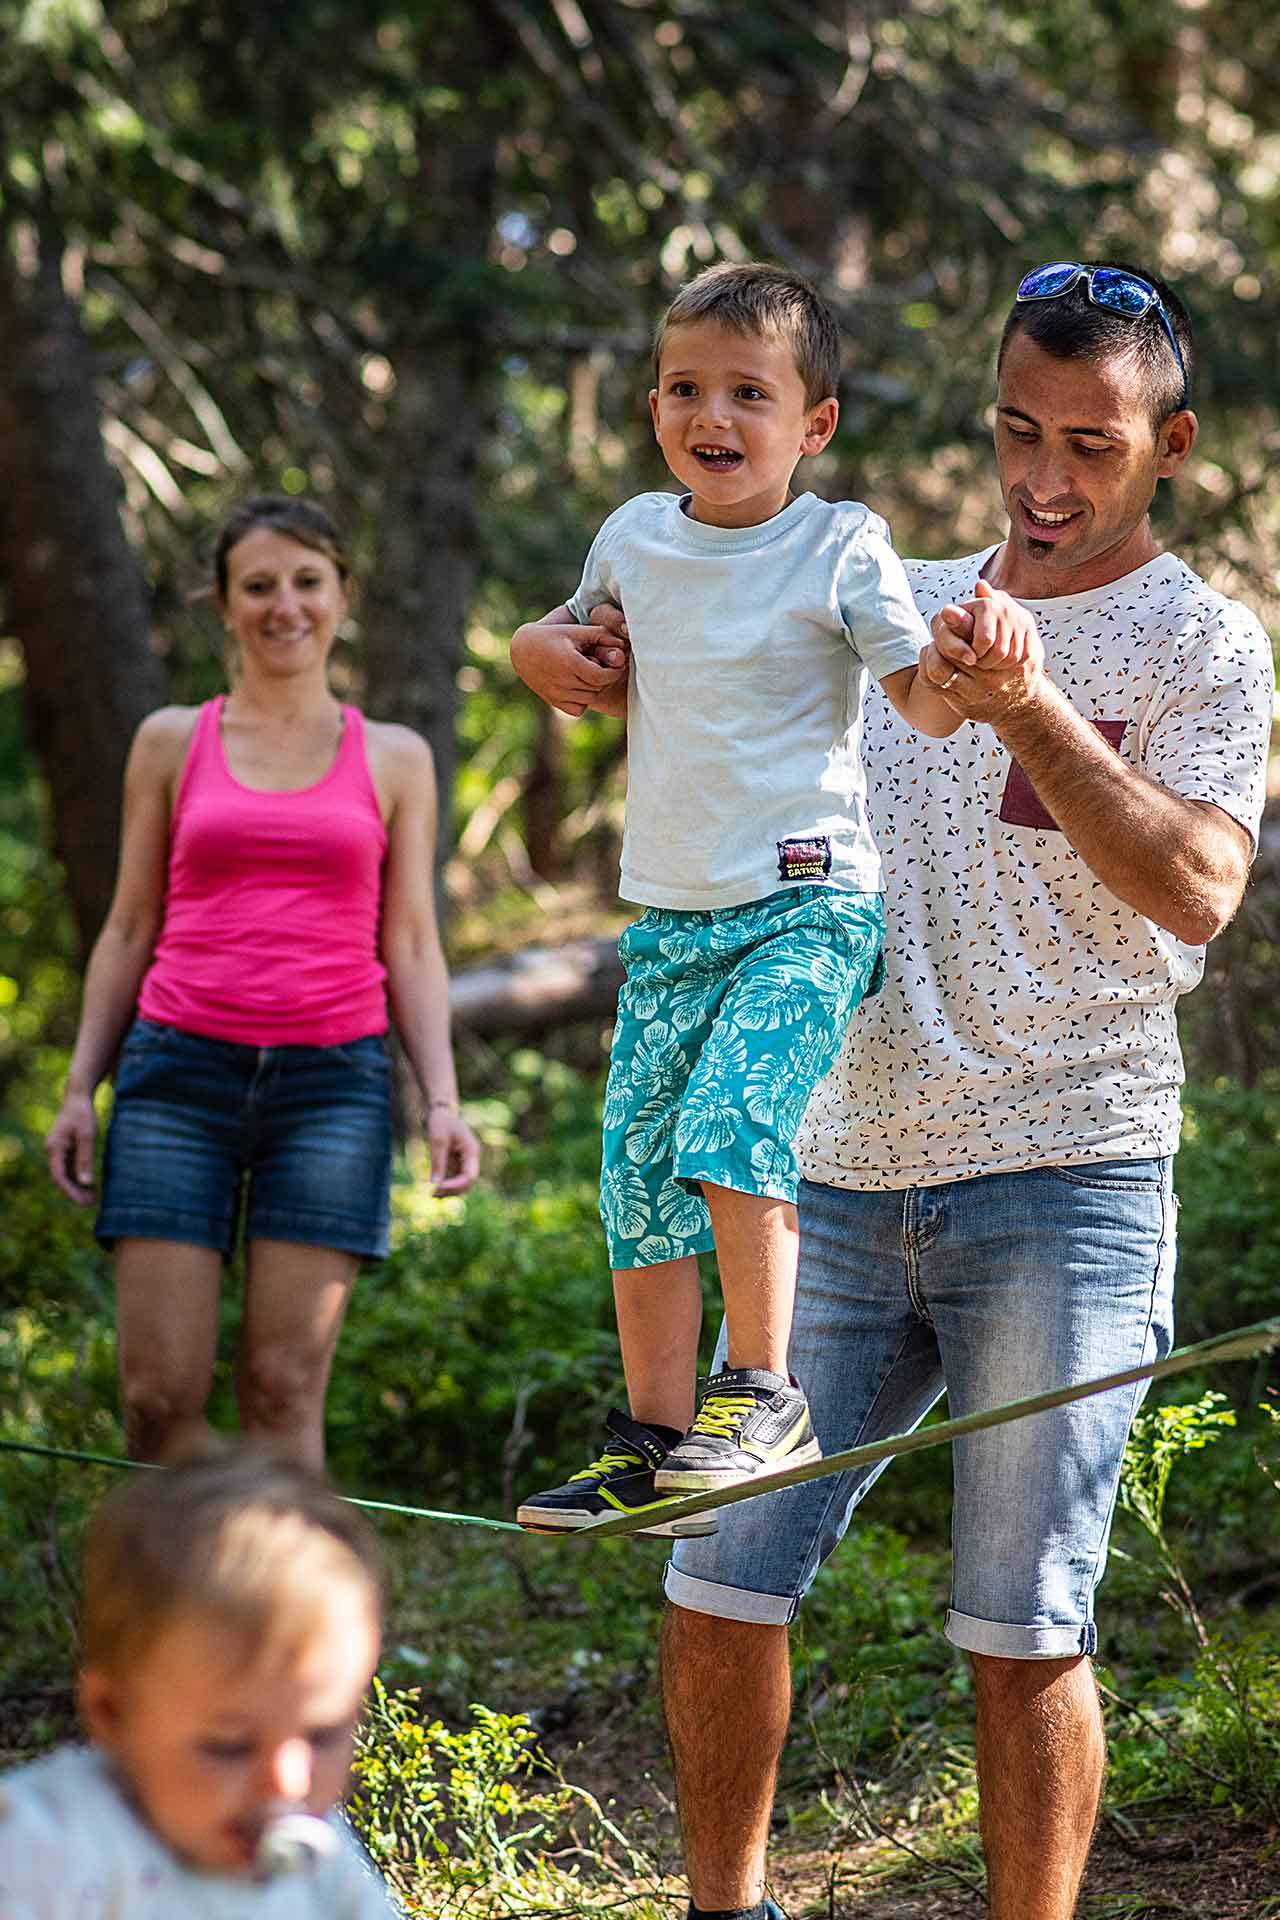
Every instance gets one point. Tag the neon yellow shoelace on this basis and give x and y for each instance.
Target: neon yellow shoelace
(722, 1416)
(613, 1459)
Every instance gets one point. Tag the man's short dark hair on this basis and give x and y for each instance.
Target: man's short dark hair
(1073, 328)
(752, 297)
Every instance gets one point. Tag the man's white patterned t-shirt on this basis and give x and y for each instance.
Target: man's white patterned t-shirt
(1028, 1016)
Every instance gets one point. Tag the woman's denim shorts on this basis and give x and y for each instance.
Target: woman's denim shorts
(300, 1135)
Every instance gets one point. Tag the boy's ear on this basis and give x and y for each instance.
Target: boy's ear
(820, 424)
(653, 410)
(99, 1705)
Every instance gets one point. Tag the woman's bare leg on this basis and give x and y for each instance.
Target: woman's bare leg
(167, 1338)
(295, 1301)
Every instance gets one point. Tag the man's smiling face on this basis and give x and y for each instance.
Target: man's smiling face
(1079, 461)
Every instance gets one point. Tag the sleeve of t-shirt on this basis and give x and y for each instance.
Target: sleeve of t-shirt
(599, 581)
(882, 620)
(1208, 735)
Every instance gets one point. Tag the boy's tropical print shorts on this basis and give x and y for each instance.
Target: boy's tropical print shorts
(727, 1020)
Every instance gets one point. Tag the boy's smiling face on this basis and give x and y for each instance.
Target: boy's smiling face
(732, 418)
(211, 1744)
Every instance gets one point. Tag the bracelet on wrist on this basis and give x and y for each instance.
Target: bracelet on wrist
(451, 1104)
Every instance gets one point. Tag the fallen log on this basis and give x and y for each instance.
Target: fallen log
(537, 989)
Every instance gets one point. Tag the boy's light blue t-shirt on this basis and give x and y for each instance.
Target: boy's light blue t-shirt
(750, 648)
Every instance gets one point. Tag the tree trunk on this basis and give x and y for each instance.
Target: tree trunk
(539, 990)
(415, 606)
(74, 595)
(445, 350)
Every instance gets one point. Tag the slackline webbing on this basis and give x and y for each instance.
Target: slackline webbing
(1239, 1344)
(376, 1506)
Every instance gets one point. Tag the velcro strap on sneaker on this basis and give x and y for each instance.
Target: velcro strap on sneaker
(745, 1380)
(646, 1443)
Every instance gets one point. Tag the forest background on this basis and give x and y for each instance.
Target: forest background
(406, 258)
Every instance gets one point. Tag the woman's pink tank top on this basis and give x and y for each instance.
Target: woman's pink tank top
(270, 932)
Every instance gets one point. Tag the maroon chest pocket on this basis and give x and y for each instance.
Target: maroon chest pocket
(1022, 806)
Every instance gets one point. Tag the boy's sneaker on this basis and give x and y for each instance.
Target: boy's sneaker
(749, 1422)
(620, 1481)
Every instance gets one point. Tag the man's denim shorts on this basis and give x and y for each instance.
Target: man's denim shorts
(305, 1131)
(994, 1288)
(727, 1021)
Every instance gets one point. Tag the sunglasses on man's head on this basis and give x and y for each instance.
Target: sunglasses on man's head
(1114, 288)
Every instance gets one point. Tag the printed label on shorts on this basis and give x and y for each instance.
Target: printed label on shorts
(804, 857)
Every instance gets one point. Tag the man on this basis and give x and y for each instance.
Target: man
(988, 1205)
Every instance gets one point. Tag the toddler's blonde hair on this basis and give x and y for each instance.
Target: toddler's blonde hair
(248, 1542)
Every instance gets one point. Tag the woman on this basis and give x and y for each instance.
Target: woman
(274, 894)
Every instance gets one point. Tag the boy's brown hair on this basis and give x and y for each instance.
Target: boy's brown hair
(753, 297)
(252, 1543)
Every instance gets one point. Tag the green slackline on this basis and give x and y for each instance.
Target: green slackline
(1237, 1345)
(1262, 1336)
(377, 1506)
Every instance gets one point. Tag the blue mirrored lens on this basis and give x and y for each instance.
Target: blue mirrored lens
(1122, 292)
(1045, 281)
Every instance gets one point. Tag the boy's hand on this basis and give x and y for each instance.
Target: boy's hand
(986, 657)
(572, 667)
(993, 628)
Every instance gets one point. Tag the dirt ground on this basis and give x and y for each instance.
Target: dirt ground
(1174, 1863)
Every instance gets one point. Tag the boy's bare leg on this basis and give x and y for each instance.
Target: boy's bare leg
(757, 1246)
(726, 1691)
(659, 1312)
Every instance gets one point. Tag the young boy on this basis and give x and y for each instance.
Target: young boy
(753, 615)
(230, 1627)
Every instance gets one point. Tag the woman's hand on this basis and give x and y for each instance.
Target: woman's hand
(69, 1147)
(455, 1151)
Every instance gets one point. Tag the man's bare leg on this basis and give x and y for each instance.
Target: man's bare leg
(1041, 1753)
(726, 1691)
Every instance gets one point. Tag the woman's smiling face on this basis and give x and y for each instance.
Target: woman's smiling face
(283, 601)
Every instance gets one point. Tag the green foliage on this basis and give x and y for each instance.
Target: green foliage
(1219, 1726)
(479, 1819)
(1228, 1177)
(1160, 1438)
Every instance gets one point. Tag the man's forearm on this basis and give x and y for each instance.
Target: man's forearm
(1182, 863)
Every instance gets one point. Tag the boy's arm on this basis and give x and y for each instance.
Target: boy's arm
(921, 704)
(991, 633)
(570, 666)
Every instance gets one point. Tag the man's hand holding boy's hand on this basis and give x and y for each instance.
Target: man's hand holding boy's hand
(574, 667)
(986, 655)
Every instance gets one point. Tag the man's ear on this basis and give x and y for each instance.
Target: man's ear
(1177, 437)
(820, 424)
(99, 1700)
